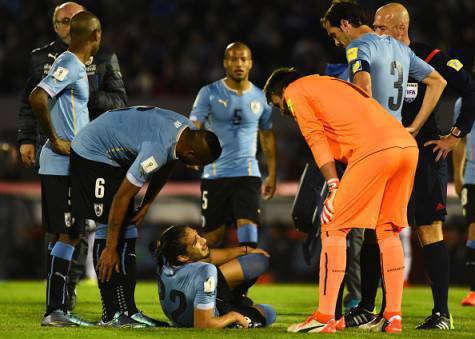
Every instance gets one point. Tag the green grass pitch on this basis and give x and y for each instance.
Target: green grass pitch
(22, 307)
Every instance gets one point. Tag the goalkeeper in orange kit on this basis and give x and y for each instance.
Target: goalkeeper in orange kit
(339, 121)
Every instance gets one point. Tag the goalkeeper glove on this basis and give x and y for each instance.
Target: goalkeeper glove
(328, 211)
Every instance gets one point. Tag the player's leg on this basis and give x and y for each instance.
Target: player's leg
(246, 208)
(215, 210)
(430, 201)
(76, 271)
(57, 220)
(393, 217)
(259, 315)
(353, 269)
(244, 269)
(468, 206)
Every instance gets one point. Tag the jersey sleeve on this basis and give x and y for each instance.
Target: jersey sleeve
(460, 80)
(457, 108)
(265, 120)
(310, 125)
(147, 162)
(201, 106)
(63, 73)
(206, 283)
(418, 68)
(358, 56)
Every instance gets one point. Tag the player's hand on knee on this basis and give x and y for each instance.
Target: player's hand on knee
(328, 210)
(257, 251)
(139, 216)
(443, 146)
(28, 154)
(108, 261)
(61, 146)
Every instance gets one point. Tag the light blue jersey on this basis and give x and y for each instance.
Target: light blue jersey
(235, 119)
(184, 288)
(389, 62)
(139, 138)
(469, 170)
(68, 88)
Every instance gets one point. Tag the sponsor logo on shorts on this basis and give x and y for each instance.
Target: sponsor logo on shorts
(98, 209)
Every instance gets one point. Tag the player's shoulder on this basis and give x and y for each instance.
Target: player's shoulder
(257, 91)
(52, 47)
(202, 270)
(423, 50)
(103, 55)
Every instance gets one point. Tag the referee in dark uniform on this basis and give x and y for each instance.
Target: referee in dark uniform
(106, 89)
(430, 186)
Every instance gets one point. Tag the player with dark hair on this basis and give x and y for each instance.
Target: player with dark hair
(463, 158)
(197, 285)
(430, 186)
(236, 110)
(111, 159)
(106, 91)
(381, 66)
(381, 160)
(60, 103)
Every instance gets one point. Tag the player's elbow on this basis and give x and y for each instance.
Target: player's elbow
(37, 98)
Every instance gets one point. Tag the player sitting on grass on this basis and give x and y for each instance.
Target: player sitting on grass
(197, 284)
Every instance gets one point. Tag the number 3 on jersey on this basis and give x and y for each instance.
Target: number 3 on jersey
(396, 69)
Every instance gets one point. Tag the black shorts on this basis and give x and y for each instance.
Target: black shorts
(467, 198)
(429, 196)
(56, 206)
(93, 187)
(225, 200)
(226, 302)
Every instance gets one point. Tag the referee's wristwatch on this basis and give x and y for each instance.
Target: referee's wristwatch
(456, 132)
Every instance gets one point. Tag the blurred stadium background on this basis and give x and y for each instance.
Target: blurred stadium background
(167, 50)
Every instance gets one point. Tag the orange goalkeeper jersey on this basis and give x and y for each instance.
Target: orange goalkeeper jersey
(340, 121)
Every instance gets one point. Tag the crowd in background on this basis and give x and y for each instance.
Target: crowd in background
(173, 47)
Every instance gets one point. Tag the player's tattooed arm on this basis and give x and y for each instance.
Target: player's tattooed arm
(363, 80)
(109, 259)
(267, 140)
(39, 103)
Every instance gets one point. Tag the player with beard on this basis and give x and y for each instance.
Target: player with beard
(237, 111)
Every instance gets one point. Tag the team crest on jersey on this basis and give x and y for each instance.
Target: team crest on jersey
(60, 73)
(209, 285)
(68, 220)
(98, 209)
(411, 92)
(149, 164)
(455, 64)
(255, 106)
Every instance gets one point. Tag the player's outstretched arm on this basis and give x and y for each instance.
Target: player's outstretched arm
(219, 256)
(435, 86)
(39, 103)
(206, 319)
(109, 259)
(267, 140)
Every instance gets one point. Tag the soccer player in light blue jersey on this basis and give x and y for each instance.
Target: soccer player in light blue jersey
(237, 111)
(381, 66)
(463, 158)
(60, 103)
(197, 285)
(111, 159)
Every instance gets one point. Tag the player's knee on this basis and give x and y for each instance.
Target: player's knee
(63, 250)
(386, 231)
(268, 312)
(253, 265)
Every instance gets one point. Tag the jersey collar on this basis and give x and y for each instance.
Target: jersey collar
(233, 90)
(174, 157)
